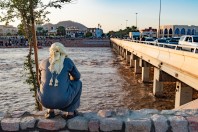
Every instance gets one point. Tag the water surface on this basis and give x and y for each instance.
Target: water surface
(108, 82)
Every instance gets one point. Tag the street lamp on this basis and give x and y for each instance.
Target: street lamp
(126, 23)
(159, 20)
(136, 19)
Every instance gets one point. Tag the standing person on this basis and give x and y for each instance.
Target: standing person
(57, 90)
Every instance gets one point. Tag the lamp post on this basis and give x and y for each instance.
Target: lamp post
(136, 19)
(159, 20)
(126, 23)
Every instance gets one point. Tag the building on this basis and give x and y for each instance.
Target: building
(178, 30)
(51, 30)
(8, 30)
(72, 31)
(149, 32)
(96, 32)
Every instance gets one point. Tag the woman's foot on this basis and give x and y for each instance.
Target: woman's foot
(49, 114)
(70, 115)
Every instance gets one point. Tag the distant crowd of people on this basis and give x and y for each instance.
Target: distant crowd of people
(13, 41)
(21, 41)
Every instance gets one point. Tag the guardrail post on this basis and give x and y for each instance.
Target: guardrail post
(128, 54)
(157, 85)
(183, 94)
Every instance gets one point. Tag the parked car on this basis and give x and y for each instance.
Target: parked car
(168, 39)
(174, 40)
(188, 40)
(149, 40)
(161, 40)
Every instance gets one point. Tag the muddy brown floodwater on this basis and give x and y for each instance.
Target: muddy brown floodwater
(108, 82)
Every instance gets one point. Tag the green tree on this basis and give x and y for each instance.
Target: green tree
(8, 34)
(88, 34)
(61, 31)
(122, 33)
(39, 30)
(29, 12)
(21, 30)
(45, 32)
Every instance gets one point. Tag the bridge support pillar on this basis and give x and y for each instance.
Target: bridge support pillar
(132, 62)
(137, 68)
(124, 53)
(145, 70)
(128, 54)
(183, 94)
(116, 47)
(120, 50)
(157, 84)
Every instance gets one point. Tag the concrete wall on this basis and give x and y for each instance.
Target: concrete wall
(144, 120)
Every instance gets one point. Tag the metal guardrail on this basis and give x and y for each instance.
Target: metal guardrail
(193, 49)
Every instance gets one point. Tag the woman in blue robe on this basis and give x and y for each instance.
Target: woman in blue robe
(57, 89)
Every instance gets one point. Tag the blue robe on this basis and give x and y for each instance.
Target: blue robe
(65, 96)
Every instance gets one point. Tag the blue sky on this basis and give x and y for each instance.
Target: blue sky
(112, 14)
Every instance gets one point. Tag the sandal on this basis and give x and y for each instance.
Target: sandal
(67, 117)
(49, 115)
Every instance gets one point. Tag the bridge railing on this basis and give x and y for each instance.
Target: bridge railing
(193, 49)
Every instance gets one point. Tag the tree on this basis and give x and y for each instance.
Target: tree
(61, 31)
(44, 32)
(21, 30)
(39, 30)
(88, 34)
(122, 33)
(29, 12)
(8, 34)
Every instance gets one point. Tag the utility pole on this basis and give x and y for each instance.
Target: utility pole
(126, 23)
(159, 21)
(136, 19)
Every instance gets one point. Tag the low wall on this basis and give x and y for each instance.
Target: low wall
(124, 120)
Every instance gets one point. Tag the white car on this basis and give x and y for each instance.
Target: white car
(188, 40)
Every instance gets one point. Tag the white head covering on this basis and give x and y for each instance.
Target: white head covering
(56, 59)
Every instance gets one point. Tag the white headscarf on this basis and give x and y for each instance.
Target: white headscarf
(56, 59)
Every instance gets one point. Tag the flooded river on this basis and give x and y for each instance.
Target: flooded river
(108, 82)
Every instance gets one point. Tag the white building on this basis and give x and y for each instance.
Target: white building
(8, 30)
(178, 30)
(72, 31)
(96, 32)
(150, 32)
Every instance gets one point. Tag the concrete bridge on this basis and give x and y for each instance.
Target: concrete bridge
(170, 64)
